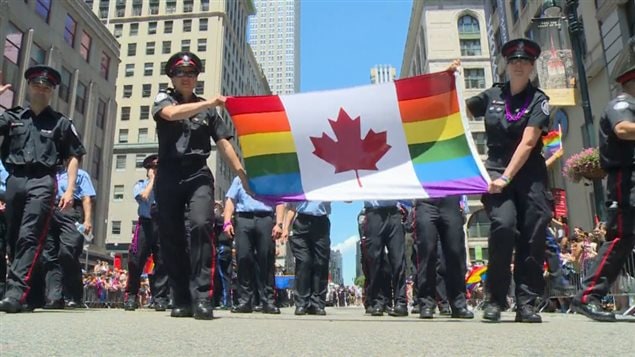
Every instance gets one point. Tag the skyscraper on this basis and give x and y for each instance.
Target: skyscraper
(274, 35)
(382, 74)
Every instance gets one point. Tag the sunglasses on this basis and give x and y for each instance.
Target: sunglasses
(179, 73)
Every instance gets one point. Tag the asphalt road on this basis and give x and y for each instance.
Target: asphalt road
(343, 332)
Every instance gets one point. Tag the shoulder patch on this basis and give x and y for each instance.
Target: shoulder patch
(545, 107)
(161, 96)
(621, 105)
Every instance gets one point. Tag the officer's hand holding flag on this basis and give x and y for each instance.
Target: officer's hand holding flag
(3, 87)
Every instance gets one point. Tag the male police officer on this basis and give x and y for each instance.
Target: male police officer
(224, 271)
(255, 247)
(185, 124)
(65, 242)
(146, 242)
(36, 140)
(3, 229)
(617, 157)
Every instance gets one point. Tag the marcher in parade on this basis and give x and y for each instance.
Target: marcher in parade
(36, 140)
(516, 117)
(145, 242)
(224, 269)
(3, 229)
(617, 158)
(310, 241)
(185, 125)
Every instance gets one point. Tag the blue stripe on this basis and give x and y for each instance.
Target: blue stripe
(277, 185)
(455, 169)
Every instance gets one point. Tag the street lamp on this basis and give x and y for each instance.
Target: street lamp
(552, 9)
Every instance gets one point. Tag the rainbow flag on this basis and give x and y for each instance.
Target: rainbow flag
(400, 140)
(476, 275)
(551, 142)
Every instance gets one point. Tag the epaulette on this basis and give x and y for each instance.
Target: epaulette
(541, 91)
(17, 111)
(498, 84)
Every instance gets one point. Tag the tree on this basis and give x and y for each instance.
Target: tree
(360, 281)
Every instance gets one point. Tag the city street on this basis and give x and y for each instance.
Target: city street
(344, 332)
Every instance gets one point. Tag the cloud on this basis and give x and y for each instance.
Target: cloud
(347, 245)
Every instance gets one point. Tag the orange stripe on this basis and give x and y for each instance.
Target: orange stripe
(434, 107)
(254, 123)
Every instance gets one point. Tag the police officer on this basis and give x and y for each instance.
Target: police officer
(36, 140)
(145, 242)
(64, 242)
(3, 229)
(254, 235)
(185, 124)
(516, 116)
(439, 220)
(224, 271)
(617, 157)
(310, 242)
(383, 229)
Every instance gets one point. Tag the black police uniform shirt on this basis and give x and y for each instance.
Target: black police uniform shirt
(188, 138)
(503, 137)
(616, 153)
(45, 140)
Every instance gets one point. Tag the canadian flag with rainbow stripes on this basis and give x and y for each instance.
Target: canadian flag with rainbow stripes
(400, 140)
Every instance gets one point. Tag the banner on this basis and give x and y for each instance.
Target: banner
(560, 202)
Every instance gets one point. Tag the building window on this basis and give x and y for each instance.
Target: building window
(103, 9)
(152, 28)
(202, 24)
(474, 78)
(85, 47)
(127, 91)
(139, 161)
(13, 45)
(470, 47)
(187, 25)
(96, 162)
(200, 85)
(137, 8)
(132, 49)
(146, 90)
(118, 30)
(129, 69)
(120, 162)
(104, 67)
(143, 135)
(125, 114)
(65, 85)
(101, 113)
(163, 86)
(168, 27)
(150, 48)
(147, 68)
(70, 26)
(120, 10)
(38, 55)
(202, 45)
(123, 136)
(144, 113)
(43, 8)
(162, 69)
(204, 5)
(469, 36)
(118, 193)
(80, 98)
(154, 7)
(116, 225)
(188, 5)
(167, 47)
(185, 45)
(170, 6)
(134, 29)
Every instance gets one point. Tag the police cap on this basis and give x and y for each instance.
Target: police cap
(43, 75)
(148, 162)
(624, 69)
(183, 59)
(521, 48)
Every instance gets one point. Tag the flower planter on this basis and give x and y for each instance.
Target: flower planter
(584, 165)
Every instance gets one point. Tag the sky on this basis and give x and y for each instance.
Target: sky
(340, 40)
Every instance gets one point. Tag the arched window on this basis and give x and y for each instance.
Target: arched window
(469, 36)
(478, 225)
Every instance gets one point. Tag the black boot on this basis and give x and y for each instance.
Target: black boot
(527, 313)
(492, 312)
(10, 305)
(593, 311)
(131, 303)
(204, 310)
(54, 305)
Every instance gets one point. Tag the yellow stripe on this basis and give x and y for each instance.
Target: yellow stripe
(426, 131)
(267, 144)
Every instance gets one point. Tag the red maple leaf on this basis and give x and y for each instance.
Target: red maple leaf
(350, 152)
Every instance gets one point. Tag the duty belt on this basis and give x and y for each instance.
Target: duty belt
(259, 214)
(390, 209)
(31, 170)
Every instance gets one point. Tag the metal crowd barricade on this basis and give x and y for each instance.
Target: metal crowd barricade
(100, 297)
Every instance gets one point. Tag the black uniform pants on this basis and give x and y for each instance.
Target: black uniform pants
(440, 220)
(3, 253)
(30, 202)
(383, 229)
(519, 218)
(255, 254)
(620, 237)
(63, 246)
(145, 242)
(189, 262)
(224, 272)
(311, 247)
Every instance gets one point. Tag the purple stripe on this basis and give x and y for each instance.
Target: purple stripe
(468, 186)
(274, 200)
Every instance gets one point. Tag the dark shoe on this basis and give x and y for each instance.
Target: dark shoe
(492, 313)
(54, 305)
(241, 309)
(131, 303)
(319, 311)
(387, 309)
(377, 311)
(527, 313)
(10, 305)
(399, 311)
(415, 309)
(160, 305)
(300, 310)
(204, 310)
(72, 304)
(462, 313)
(593, 311)
(271, 309)
(445, 311)
(183, 311)
(258, 308)
(426, 313)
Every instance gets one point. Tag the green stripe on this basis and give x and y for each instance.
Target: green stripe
(440, 150)
(273, 164)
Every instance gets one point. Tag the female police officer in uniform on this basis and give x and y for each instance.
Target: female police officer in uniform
(185, 123)
(516, 116)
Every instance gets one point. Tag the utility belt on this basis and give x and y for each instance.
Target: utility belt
(305, 216)
(388, 210)
(32, 170)
(76, 204)
(185, 161)
(258, 214)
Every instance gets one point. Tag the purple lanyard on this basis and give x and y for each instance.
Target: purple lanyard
(513, 118)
